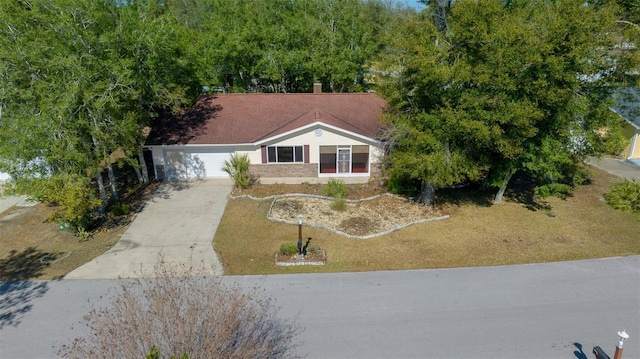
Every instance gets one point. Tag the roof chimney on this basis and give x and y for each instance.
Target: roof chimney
(317, 87)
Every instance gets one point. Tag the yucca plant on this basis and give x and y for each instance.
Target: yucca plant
(238, 169)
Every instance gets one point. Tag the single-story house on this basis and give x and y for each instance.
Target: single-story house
(289, 138)
(628, 107)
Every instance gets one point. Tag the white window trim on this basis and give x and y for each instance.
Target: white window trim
(350, 174)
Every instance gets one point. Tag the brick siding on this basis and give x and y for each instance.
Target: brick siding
(301, 170)
(284, 170)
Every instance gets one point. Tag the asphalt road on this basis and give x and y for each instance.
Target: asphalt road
(556, 310)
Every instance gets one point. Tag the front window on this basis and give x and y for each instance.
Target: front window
(283, 154)
(344, 159)
(360, 159)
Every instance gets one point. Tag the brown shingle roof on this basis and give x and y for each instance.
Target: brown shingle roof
(249, 118)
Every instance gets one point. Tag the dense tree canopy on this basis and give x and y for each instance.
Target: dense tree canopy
(80, 79)
(283, 45)
(505, 86)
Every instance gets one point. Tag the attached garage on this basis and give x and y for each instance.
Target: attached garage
(194, 163)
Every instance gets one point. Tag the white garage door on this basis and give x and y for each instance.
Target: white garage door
(206, 164)
(174, 164)
(200, 163)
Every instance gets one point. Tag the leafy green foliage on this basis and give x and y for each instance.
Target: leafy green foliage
(288, 249)
(83, 234)
(625, 196)
(336, 188)
(507, 87)
(313, 249)
(73, 193)
(238, 169)
(555, 189)
(120, 209)
(155, 354)
(81, 79)
(283, 45)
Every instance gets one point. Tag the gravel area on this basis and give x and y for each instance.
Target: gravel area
(359, 218)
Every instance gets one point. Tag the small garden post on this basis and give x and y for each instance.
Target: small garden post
(300, 234)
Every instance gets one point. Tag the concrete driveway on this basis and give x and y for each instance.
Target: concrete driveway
(10, 201)
(178, 224)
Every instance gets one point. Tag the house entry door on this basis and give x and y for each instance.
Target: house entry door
(344, 160)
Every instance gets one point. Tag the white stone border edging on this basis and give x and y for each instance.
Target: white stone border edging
(286, 263)
(392, 229)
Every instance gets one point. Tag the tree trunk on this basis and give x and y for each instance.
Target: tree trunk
(427, 194)
(112, 182)
(138, 174)
(440, 15)
(500, 193)
(143, 166)
(102, 191)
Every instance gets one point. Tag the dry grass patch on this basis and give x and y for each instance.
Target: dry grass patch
(34, 248)
(477, 234)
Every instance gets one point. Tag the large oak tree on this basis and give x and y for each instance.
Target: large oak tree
(80, 80)
(504, 87)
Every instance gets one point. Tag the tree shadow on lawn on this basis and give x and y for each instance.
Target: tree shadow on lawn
(471, 194)
(16, 290)
(521, 189)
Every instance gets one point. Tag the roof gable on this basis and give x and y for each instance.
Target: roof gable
(250, 118)
(313, 127)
